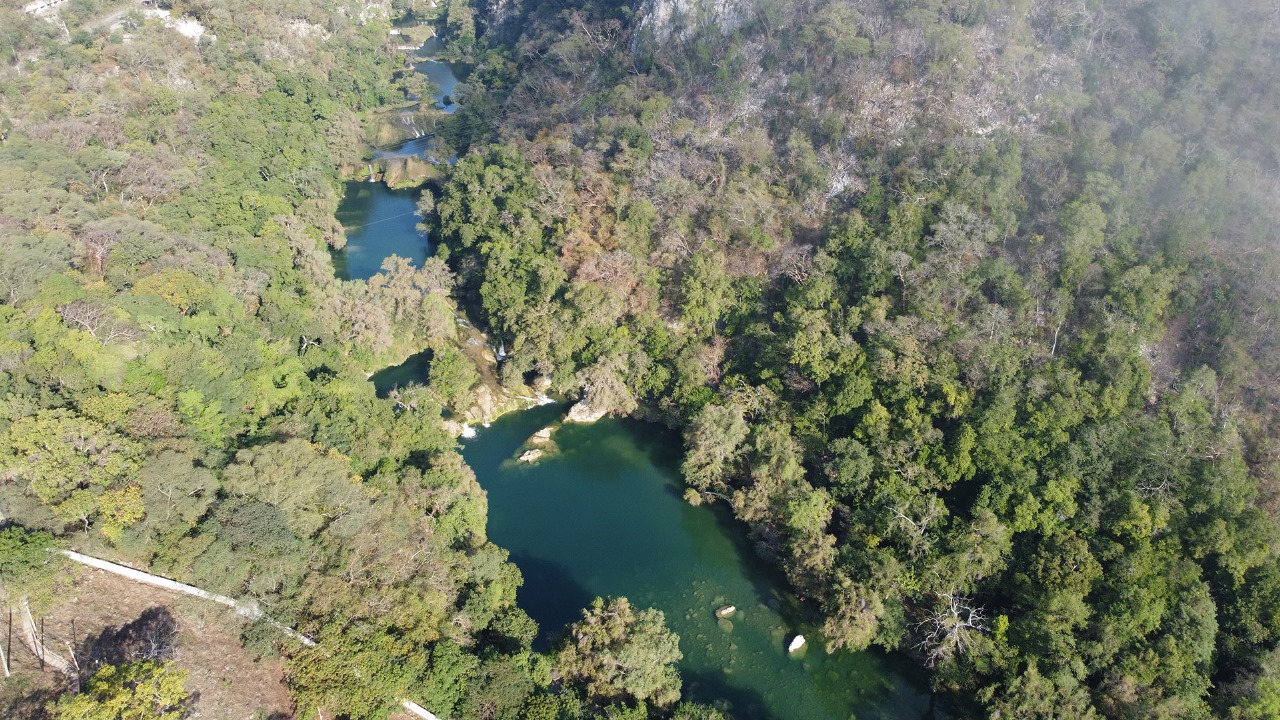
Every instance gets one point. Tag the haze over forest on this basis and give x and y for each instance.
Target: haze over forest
(968, 311)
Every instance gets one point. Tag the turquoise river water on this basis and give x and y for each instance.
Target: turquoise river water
(603, 516)
(379, 222)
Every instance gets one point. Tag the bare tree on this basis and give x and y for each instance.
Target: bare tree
(95, 320)
(949, 631)
(95, 248)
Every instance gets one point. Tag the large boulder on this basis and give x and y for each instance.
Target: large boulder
(581, 412)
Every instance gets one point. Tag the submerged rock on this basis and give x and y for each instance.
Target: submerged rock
(542, 437)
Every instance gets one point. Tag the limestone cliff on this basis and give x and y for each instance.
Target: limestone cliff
(502, 19)
(665, 20)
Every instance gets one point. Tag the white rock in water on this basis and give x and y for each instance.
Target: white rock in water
(796, 644)
(542, 437)
(530, 456)
(581, 412)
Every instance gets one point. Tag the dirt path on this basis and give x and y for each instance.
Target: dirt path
(165, 584)
(225, 681)
(31, 638)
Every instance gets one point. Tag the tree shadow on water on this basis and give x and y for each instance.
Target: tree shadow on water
(711, 689)
(550, 595)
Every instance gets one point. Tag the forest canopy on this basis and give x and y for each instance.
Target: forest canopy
(967, 310)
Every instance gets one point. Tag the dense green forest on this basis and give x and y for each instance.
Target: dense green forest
(968, 309)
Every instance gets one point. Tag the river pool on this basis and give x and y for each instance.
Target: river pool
(603, 516)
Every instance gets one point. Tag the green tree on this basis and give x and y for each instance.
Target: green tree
(618, 653)
(309, 486)
(27, 568)
(453, 378)
(714, 442)
(69, 461)
(146, 690)
(704, 291)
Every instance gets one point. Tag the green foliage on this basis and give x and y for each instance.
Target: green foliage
(618, 653)
(27, 567)
(70, 463)
(355, 674)
(938, 321)
(453, 378)
(142, 690)
(489, 209)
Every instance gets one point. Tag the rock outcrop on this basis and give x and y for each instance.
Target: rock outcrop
(502, 19)
(665, 20)
(581, 412)
(407, 172)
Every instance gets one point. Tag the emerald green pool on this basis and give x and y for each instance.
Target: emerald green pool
(603, 516)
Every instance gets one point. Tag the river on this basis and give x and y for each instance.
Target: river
(603, 516)
(380, 221)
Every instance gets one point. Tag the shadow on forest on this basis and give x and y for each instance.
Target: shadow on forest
(150, 637)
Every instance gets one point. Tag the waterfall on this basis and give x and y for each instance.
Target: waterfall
(371, 178)
(468, 432)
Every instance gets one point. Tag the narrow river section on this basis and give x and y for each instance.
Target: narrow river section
(379, 222)
(602, 515)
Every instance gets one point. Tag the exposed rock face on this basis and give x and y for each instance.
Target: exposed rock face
(502, 19)
(407, 172)
(542, 437)
(530, 456)
(681, 19)
(486, 405)
(581, 412)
